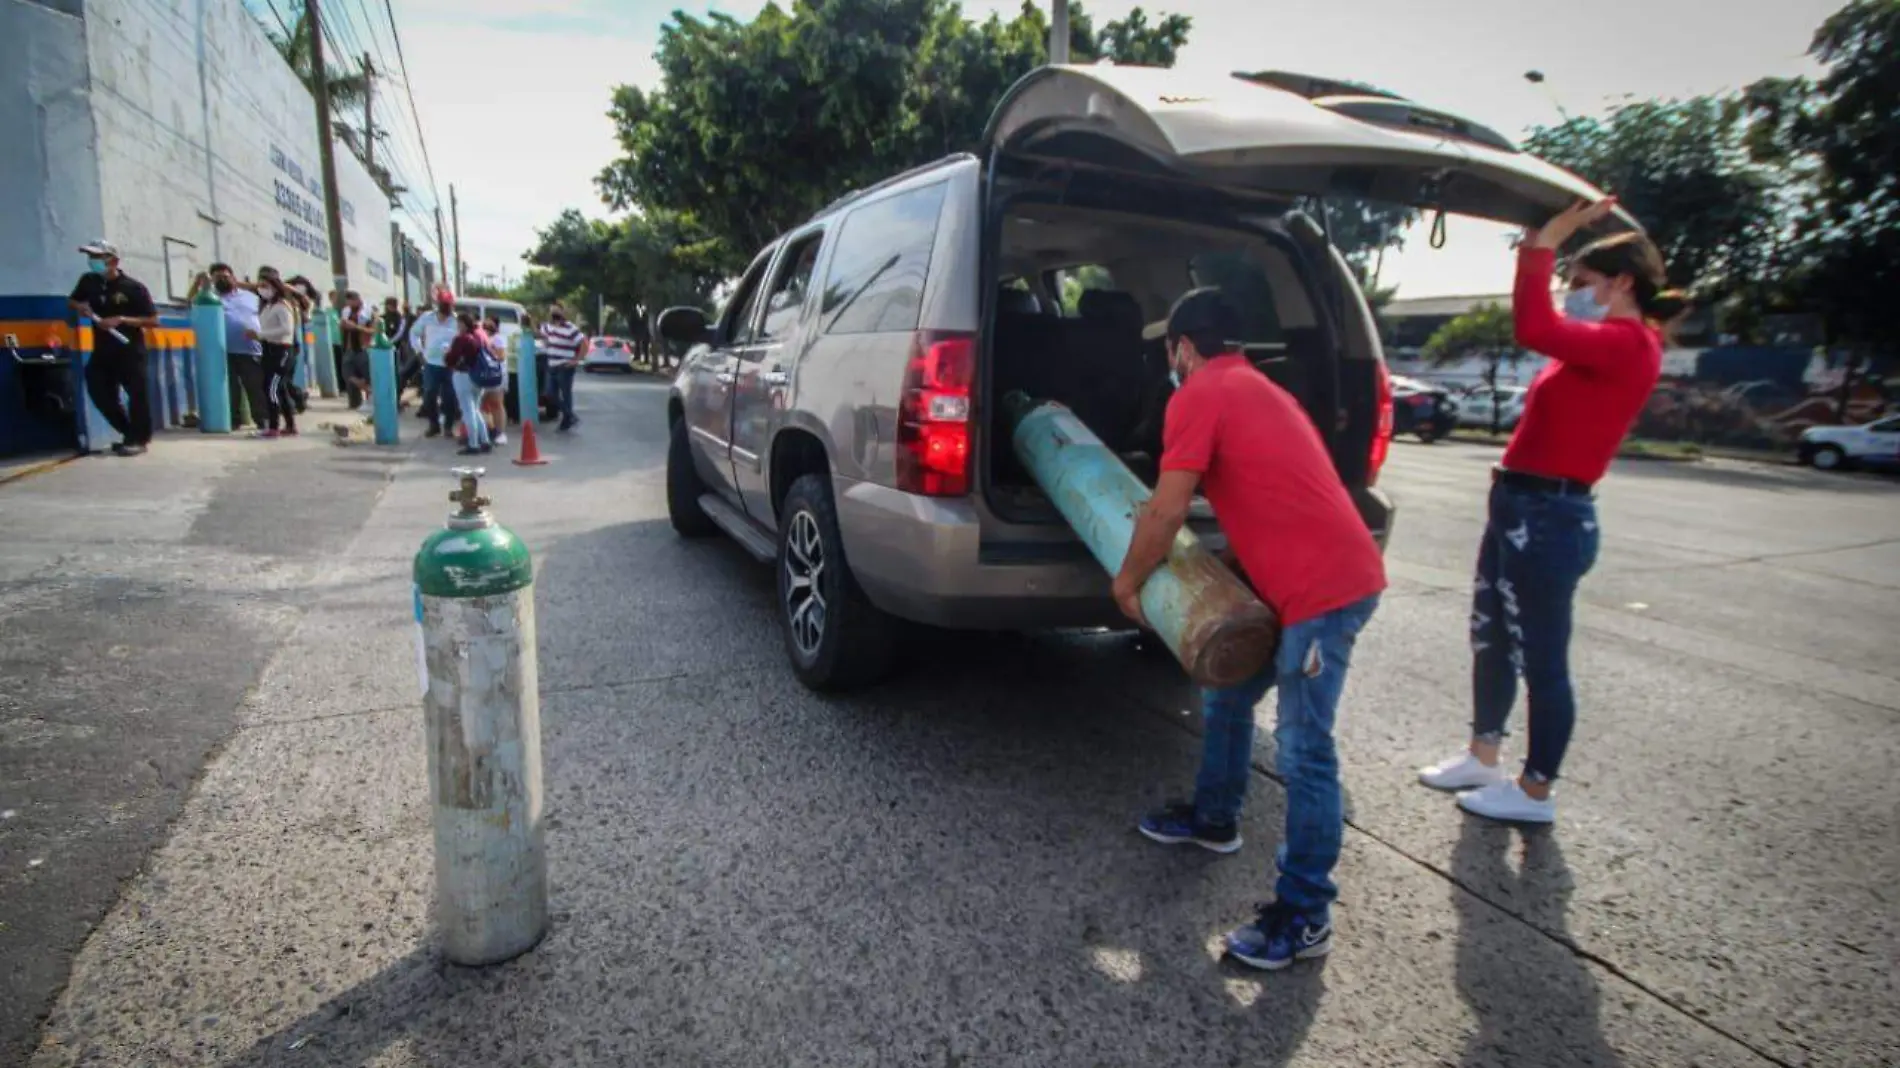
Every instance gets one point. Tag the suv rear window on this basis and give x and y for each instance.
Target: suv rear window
(875, 283)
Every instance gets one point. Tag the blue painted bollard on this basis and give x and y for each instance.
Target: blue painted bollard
(382, 388)
(212, 380)
(1209, 619)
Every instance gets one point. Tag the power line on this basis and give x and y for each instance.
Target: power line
(415, 114)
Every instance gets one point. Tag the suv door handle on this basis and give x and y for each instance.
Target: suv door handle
(775, 378)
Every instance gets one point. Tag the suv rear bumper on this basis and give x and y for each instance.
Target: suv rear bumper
(922, 559)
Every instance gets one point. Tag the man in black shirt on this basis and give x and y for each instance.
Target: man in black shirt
(121, 309)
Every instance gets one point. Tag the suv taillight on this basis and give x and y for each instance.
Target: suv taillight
(933, 416)
(1382, 433)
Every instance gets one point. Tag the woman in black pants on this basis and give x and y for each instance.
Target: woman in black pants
(277, 330)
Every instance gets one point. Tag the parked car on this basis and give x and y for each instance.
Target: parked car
(1474, 410)
(608, 354)
(1875, 444)
(840, 416)
(1423, 409)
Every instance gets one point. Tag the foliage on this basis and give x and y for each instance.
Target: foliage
(646, 261)
(1484, 331)
(759, 124)
(348, 87)
(1364, 229)
(1837, 140)
(1681, 166)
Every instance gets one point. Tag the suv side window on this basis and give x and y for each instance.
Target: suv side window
(735, 326)
(787, 297)
(1069, 283)
(876, 280)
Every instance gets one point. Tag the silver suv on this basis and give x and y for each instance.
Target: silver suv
(840, 417)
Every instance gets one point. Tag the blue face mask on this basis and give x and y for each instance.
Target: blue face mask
(1582, 305)
(96, 265)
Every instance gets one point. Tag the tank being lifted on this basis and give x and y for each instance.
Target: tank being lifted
(1215, 626)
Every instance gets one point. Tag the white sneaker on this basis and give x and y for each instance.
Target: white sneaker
(1462, 772)
(1507, 801)
(501, 439)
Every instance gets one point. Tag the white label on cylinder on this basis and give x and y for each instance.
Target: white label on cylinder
(422, 654)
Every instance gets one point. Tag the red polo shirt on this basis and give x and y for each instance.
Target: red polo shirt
(1274, 489)
(1581, 405)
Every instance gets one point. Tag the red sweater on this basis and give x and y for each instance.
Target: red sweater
(1600, 376)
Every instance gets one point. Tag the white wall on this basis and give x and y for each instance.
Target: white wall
(47, 208)
(206, 136)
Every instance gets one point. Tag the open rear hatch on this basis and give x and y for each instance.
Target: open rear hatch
(1279, 134)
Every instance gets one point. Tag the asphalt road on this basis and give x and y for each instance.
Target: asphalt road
(943, 871)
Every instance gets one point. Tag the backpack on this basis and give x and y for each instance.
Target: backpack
(488, 372)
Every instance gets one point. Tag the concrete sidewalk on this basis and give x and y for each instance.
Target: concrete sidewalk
(940, 872)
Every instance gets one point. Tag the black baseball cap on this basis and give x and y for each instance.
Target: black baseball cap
(1204, 315)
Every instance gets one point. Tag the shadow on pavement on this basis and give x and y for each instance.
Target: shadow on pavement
(1511, 983)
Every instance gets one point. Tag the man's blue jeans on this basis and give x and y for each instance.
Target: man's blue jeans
(562, 379)
(1537, 547)
(438, 396)
(1310, 673)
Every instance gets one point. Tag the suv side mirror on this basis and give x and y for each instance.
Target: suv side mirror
(685, 325)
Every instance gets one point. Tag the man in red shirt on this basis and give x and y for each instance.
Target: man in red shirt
(1249, 446)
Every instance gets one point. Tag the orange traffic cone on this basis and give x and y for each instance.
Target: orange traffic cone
(530, 449)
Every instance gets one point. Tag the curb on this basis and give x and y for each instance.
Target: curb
(39, 468)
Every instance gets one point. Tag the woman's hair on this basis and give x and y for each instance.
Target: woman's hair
(1635, 255)
(466, 321)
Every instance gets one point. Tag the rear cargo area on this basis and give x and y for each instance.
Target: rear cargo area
(1081, 301)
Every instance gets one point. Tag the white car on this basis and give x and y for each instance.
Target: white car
(1875, 444)
(1474, 409)
(608, 353)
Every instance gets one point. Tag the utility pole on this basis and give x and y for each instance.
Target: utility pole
(441, 248)
(326, 149)
(369, 117)
(1059, 32)
(455, 224)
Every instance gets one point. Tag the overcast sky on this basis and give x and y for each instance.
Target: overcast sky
(513, 93)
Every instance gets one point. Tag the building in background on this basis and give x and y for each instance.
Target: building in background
(176, 131)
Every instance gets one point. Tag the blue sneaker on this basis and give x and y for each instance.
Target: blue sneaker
(1177, 825)
(1277, 937)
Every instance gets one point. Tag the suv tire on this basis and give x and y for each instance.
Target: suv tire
(683, 487)
(836, 638)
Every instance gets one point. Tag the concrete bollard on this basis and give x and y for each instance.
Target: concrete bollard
(324, 325)
(213, 377)
(1219, 631)
(382, 389)
(481, 704)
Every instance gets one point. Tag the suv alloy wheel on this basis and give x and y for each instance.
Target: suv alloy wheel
(836, 638)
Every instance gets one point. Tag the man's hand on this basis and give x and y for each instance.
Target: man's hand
(108, 322)
(1128, 598)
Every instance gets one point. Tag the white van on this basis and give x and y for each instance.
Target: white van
(506, 313)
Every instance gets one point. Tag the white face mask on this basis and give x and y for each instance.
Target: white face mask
(1582, 305)
(1174, 366)
(266, 292)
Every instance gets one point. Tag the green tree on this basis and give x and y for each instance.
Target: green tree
(758, 124)
(1485, 332)
(1838, 140)
(347, 86)
(1682, 167)
(648, 261)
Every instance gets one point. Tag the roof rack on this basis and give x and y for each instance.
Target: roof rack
(1312, 86)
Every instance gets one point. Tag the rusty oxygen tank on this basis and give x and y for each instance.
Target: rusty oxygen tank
(1212, 623)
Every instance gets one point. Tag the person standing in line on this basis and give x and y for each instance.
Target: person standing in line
(564, 342)
(391, 324)
(493, 411)
(464, 349)
(121, 309)
(244, 352)
(1541, 536)
(304, 295)
(432, 334)
(277, 332)
(1252, 450)
(359, 329)
(642, 336)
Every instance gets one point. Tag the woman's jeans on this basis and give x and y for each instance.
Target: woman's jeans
(1310, 672)
(1537, 547)
(470, 397)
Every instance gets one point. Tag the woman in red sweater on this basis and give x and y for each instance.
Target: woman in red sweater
(1605, 353)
